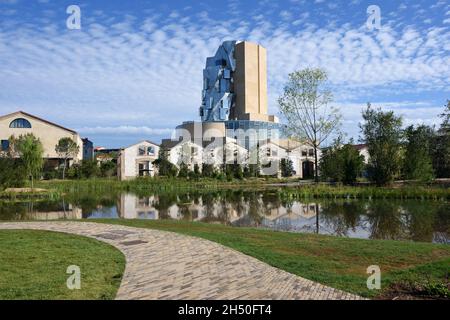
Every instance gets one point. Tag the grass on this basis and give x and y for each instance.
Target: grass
(333, 261)
(34, 263)
(156, 185)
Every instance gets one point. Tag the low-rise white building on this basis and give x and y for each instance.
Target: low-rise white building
(363, 150)
(225, 150)
(301, 155)
(137, 160)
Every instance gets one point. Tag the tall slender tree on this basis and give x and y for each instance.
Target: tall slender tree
(305, 106)
(31, 152)
(417, 161)
(66, 149)
(382, 132)
(440, 148)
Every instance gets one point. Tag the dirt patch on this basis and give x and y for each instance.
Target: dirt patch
(416, 291)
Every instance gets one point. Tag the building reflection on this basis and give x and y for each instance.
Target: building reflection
(381, 219)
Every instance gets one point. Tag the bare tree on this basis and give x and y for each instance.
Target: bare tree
(305, 106)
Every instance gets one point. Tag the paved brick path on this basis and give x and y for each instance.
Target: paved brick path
(166, 265)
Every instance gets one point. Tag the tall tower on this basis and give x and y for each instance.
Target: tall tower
(235, 84)
(250, 82)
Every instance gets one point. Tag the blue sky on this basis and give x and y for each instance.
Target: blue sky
(134, 70)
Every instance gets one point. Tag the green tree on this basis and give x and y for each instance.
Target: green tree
(184, 171)
(341, 163)
(12, 174)
(196, 170)
(208, 170)
(108, 169)
(31, 152)
(165, 167)
(353, 163)
(89, 169)
(417, 163)
(382, 132)
(440, 147)
(305, 106)
(287, 168)
(238, 172)
(66, 149)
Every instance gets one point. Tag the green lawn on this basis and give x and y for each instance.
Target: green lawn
(33, 265)
(337, 262)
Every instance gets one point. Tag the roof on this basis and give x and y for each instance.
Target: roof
(134, 144)
(287, 144)
(169, 143)
(360, 146)
(37, 118)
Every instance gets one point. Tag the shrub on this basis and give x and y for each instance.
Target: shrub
(108, 169)
(341, 163)
(184, 171)
(89, 169)
(12, 174)
(287, 168)
(208, 170)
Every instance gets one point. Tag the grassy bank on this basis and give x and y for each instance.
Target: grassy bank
(30, 270)
(155, 185)
(333, 261)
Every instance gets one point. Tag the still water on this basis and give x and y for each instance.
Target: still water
(426, 221)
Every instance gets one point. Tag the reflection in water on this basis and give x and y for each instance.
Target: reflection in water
(381, 219)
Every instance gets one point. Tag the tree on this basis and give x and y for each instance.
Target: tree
(89, 169)
(382, 133)
(440, 147)
(304, 105)
(184, 171)
(66, 149)
(108, 168)
(417, 162)
(165, 167)
(341, 163)
(12, 174)
(208, 170)
(353, 163)
(287, 168)
(31, 152)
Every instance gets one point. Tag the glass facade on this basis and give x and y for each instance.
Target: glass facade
(248, 133)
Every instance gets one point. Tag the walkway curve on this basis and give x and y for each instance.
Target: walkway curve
(167, 265)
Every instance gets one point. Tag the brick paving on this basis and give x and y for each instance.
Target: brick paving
(166, 265)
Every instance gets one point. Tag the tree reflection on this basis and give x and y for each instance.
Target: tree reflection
(340, 217)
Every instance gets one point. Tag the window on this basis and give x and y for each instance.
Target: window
(4, 145)
(20, 123)
(144, 168)
(268, 153)
(304, 153)
(311, 152)
(151, 151)
(142, 150)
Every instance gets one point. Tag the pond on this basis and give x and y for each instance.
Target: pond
(426, 221)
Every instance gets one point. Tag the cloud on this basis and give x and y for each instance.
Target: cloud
(128, 74)
(133, 130)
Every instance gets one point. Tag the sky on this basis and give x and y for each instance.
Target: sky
(134, 69)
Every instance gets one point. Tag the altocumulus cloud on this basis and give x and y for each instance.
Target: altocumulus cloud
(138, 76)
